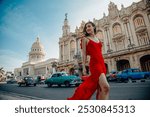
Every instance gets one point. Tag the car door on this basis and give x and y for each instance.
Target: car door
(125, 74)
(59, 79)
(53, 79)
(136, 74)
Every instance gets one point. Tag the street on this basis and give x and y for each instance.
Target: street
(118, 91)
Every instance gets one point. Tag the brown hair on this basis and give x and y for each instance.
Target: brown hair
(84, 29)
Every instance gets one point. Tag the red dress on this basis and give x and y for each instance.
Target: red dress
(97, 66)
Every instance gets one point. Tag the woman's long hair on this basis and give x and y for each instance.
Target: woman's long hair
(84, 29)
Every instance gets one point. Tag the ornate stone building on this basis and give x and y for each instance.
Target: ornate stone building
(125, 35)
(36, 65)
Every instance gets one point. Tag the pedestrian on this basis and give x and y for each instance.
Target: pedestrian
(92, 46)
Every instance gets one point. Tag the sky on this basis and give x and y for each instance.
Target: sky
(22, 21)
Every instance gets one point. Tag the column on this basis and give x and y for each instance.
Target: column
(126, 35)
(69, 50)
(63, 50)
(46, 70)
(130, 33)
(110, 39)
(105, 41)
(105, 32)
(113, 64)
(59, 52)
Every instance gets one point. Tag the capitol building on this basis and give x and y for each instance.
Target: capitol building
(36, 64)
(124, 33)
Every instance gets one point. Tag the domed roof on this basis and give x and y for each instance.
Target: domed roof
(37, 51)
(37, 44)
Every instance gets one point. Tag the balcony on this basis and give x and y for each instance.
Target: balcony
(117, 36)
(140, 29)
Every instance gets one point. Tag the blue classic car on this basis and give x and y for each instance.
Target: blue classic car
(132, 74)
(62, 78)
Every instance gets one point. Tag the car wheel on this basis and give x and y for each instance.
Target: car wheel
(19, 84)
(49, 84)
(34, 84)
(146, 77)
(142, 80)
(67, 84)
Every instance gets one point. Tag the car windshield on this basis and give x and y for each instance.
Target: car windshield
(30, 78)
(135, 70)
(64, 74)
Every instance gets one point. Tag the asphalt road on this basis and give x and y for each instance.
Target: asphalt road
(118, 91)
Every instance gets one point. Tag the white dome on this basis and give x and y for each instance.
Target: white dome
(37, 51)
(37, 44)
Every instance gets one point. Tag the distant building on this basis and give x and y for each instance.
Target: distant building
(125, 35)
(36, 65)
(2, 75)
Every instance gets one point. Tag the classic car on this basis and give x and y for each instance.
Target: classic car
(132, 74)
(27, 81)
(62, 78)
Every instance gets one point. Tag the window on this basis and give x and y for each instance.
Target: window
(116, 29)
(135, 70)
(138, 21)
(54, 75)
(64, 74)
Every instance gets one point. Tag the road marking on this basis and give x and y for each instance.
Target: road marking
(17, 95)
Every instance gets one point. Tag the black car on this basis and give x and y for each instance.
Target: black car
(27, 81)
(112, 76)
(11, 81)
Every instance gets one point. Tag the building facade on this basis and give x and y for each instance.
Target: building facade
(36, 64)
(124, 33)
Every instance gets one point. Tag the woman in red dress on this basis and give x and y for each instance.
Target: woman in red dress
(91, 46)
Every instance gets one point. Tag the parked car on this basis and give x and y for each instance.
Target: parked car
(40, 80)
(112, 76)
(61, 78)
(132, 74)
(11, 81)
(27, 81)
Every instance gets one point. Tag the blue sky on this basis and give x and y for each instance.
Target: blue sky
(21, 21)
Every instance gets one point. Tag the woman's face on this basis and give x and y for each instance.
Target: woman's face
(89, 28)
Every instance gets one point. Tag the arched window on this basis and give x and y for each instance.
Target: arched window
(138, 21)
(116, 29)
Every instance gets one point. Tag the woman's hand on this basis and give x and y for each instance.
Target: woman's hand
(84, 71)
